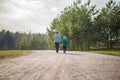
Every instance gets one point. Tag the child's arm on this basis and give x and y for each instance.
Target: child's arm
(61, 42)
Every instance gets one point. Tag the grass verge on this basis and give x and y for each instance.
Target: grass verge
(5, 54)
(115, 52)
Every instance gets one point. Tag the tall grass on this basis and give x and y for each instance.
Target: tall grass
(5, 54)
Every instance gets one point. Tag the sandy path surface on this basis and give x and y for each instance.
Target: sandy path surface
(48, 65)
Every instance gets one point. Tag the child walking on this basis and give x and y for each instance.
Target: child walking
(65, 44)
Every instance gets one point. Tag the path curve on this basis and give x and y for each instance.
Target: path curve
(48, 65)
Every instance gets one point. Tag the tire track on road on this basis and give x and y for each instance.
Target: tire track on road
(58, 69)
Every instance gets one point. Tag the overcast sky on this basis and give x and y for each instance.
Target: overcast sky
(33, 15)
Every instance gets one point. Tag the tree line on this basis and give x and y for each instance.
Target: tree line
(24, 41)
(87, 27)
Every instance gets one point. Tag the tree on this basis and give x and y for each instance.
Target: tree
(9, 40)
(75, 22)
(107, 23)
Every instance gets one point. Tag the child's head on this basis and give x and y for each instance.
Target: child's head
(64, 37)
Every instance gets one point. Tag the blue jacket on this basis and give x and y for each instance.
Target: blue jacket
(57, 38)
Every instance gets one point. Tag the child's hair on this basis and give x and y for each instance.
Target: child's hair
(64, 37)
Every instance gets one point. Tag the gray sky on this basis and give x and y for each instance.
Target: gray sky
(33, 15)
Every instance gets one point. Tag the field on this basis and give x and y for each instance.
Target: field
(5, 54)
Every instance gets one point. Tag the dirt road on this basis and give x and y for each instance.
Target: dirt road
(48, 65)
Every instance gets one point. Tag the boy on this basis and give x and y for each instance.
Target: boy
(65, 43)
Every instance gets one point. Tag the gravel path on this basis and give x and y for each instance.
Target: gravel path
(48, 65)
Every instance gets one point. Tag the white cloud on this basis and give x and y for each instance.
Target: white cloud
(54, 9)
(84, 1)
(34, 15)
(50, 0)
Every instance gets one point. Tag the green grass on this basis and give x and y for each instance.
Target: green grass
(5, 54)
(115, 52)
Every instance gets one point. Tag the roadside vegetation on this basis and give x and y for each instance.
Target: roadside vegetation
(22, 41)
(6, 54)
(115, 52)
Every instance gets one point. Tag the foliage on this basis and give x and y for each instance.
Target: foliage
(10, 41)
(107, 23)
(86, 27)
